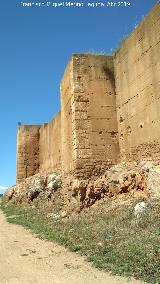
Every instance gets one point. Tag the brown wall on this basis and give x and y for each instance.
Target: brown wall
(38, 148)
(66, 89)
(137, 75)
(50, 145)
(110, 107)
(27, 151)
(89, 123)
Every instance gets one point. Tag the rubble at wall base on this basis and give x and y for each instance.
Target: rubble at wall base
(126, 179)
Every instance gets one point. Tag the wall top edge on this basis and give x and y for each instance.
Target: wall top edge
(29, 126)
(76, 56)
(155, 6)
(56, 116)
(91, 55)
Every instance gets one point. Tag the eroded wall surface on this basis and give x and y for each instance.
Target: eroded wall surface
(27, 151)
(137, 76)
(89, 122)
(66, 88)
(38, 148)
(50, 145)
(110, 109)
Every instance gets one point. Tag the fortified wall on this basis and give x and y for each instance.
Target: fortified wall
(137, 77)
(110, 111)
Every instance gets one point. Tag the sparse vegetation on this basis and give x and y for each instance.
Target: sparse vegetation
(110, 236)
(97, 52)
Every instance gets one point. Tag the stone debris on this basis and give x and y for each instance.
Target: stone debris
(139, 209)
(153, 181)
(32, 187)
(124, 179)
(146, 165)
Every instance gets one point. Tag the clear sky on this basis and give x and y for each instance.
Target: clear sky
(35, 46)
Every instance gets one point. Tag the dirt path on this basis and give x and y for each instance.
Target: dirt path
(25, 259)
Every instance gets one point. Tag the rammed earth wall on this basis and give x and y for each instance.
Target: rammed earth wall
(89, 123)
(137, 77)
(110, 110)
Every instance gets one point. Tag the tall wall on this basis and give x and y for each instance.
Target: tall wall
(66, 89)
(38, 148)
(50, 145)
(27, 151)
(110, 109)
(137, 76)
(89, 123)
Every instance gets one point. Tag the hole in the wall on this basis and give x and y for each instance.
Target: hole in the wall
(121, 119)
(113, 134)
(109, 93)
(129, 130)
(141, 125)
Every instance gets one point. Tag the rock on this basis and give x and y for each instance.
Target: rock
(139, 209)
(32, 187)
(146, 165)
(124, 178)
(52, 185)
(100, 244)
(51, 177)
(153, 181)
(33, 194)
(9, 193)
(63, 214)
(53, 181)
(56, 216)
(79, 189)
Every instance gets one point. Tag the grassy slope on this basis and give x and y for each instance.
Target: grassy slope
(110, 237)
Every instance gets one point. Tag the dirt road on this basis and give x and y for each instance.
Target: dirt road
(25, 259)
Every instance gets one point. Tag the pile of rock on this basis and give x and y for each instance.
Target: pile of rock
(130, 179)
(125, 179)
(120, 179)
(32, 187)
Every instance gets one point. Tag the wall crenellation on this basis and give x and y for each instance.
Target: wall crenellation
(109, 111)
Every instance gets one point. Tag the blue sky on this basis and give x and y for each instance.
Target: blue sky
(35, 46)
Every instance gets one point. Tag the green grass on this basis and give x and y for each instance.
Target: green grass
(111, 238)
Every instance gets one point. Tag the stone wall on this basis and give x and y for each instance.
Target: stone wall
(137, 76)
(66, 89)
(89, 123)
(110, 110)
(27, 151)
(38, 148)
(96, 134)
(50, 145)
